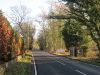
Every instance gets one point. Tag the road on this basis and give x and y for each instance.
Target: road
(47, 64)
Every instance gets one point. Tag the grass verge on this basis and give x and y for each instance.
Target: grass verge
(87, 60)
(93, 61)
(22, 66)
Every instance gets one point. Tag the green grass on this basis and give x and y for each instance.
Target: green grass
(22, 67)
(86, 60)
(19, 68)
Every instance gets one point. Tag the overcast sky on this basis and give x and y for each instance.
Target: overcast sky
(35, 5)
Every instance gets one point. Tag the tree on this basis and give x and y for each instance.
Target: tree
(17, 43)
(85, 12)
(28, 32)
(41, 41)
(5, 37)
(88, 14)
(11, 42)
(50, 37)
(74, 35)
(19, 15)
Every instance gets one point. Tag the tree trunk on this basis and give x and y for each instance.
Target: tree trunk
(75, 52)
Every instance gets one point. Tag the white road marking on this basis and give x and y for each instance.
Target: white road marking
(34, 66)
(80, 72)
(61, 63)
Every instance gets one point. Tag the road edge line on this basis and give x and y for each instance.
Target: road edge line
(34, 65)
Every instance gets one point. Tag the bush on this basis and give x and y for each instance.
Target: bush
(84, 48)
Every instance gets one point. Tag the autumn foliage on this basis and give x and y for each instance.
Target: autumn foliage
(17, 44)
(10, 41)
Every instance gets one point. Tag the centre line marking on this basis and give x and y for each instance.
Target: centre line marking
(80, 72)
(61, 63)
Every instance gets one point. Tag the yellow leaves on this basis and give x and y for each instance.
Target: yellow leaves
(7, 38)
(17, 44)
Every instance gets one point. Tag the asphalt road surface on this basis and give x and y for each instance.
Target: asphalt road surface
(48, 64)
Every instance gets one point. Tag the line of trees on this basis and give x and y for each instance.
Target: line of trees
(50, 37)
(86, 13)
(23, 24)
(79, 23)
(11, 42)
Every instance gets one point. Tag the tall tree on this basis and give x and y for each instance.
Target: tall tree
(85, 12)
(28, 30)
(88, 14)
(52, 30)
(19, 14)
(5, 36)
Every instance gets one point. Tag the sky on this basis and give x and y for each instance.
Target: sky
(35, 5)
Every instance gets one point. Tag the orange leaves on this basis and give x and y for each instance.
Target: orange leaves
(10, 41)
(17, 44)
(5, 33)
